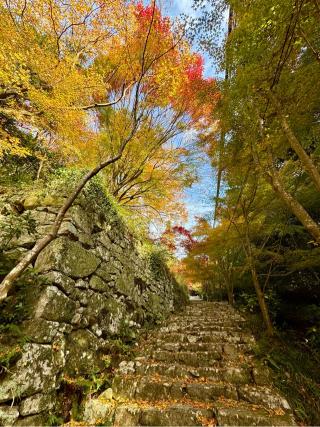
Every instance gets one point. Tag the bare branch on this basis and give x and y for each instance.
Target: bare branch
(108, 104)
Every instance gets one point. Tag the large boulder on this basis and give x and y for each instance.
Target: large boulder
(37, 370)
(55, 306)
(68, 257)
(82, 349)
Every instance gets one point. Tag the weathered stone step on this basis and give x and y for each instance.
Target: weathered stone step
(189, 327)
(172, 415)
(198, 316)
(213, 309)
(230, 350)
(234, 375)
(262, 395)
(200, 358)
(161, 388)
(193, 315)
(231, 413)
(197, 370)
(205, 337)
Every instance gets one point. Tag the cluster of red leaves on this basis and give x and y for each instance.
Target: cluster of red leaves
(194, 70)
(202, 93)
(177, 236)
(144, 15)
(198, 94)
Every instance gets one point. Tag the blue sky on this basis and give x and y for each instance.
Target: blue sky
(198, 198)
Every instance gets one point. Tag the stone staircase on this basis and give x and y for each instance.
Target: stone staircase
(197, 370)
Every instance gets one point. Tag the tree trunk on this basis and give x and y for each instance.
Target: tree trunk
(229, 285)
(295, 207)
(272, 176)
(260, 295)
(9, 279)
(222, 136)
(305, 159)
(261, 300)
(230, 294)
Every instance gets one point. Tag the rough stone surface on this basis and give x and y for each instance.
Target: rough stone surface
(126, 416)
(8, 415)
(42, 331)
(107, 394)
(37, 403)
(82, 352)
(35, 371)
(94, 285)
(68, 257)
(60, 280)
(97, 412)
(203, 377)
(55, 306)
(33, 420)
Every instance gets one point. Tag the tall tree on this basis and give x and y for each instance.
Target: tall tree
(143, 54)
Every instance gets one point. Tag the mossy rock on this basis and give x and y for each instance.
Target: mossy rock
(83, 356)
(68, 257)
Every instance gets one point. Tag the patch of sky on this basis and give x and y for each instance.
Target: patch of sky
(199, 198)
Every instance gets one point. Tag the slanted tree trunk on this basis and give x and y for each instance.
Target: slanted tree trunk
(306, 161)
(272, 176)
(247, 247)
(261, 300)
(259, 292)
(295, 207)
(31, 255)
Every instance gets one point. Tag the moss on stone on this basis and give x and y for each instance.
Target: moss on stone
(68, 257)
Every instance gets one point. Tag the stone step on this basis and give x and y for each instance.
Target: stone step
(158, 387)
(209, 311)
(229, 350)
(209, 317)
(231, 413)
(234, 375)
(200, 358)
(161, 388)
(219, 314)
(199, 369)
(262, 395)
(206, 337)
(188, 327)
(171, 415)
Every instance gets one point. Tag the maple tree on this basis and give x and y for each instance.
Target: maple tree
(128, 57)
(266, 143)
(177, 237)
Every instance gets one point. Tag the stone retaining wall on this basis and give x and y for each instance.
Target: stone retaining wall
(92, 284)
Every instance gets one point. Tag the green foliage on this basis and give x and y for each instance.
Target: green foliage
(247, 301)
(64, 180)
(89, 384)
(296, 373)
(16, 307)
(12, 340)
(180, 295)
(157, 257)
(96, 196)
(54, 420)
(8, 356)
(14, 226)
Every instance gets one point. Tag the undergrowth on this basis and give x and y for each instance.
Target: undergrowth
(295, 368)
